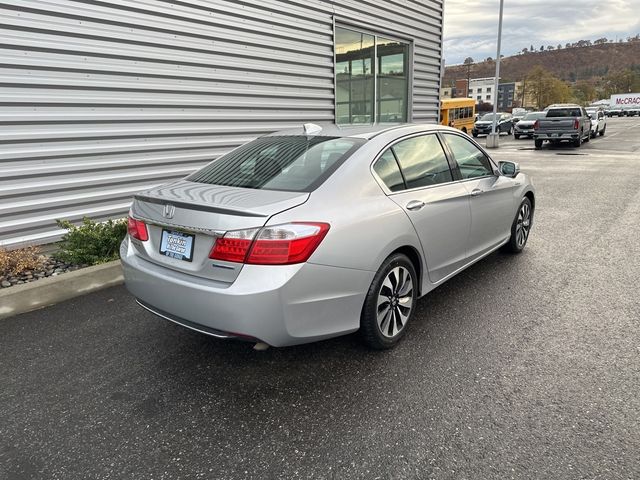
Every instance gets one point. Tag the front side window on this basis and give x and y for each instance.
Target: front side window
(372, 78)
(471, 160)
(293, 163)
(423, 161)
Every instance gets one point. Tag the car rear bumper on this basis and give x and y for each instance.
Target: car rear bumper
(556, 136)
(279, 305)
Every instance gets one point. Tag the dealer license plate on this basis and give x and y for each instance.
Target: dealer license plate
(176, 244)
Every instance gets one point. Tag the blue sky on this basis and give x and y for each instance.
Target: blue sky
(471, 26)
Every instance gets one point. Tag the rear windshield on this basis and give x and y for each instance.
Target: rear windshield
(534, 116)
(564, 112)
(290, 163)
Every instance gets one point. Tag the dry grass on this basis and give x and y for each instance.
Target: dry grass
(14, 262)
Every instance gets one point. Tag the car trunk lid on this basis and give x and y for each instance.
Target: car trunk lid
(195, 214)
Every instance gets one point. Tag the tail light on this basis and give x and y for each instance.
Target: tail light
(276, 245)
(137, 229)
(536, 125)
(576, 124)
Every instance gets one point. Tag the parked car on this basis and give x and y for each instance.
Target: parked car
(615, 112)
(518, 114)
(598, 121)
(633, 111)
(525, 126)
(563, 122)
(485, 124)
(321, 231)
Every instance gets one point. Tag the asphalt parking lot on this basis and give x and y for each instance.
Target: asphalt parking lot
(520, 367)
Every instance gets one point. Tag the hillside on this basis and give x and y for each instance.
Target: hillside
(570, 64)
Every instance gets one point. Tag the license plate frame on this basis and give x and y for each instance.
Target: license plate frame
(175, 252)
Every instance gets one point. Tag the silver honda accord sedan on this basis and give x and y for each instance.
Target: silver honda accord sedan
(312, 233)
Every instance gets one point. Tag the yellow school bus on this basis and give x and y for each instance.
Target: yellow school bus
(458, 113)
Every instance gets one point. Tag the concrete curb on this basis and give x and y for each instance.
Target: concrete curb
(52, 290)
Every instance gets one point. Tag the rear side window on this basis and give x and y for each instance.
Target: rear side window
(291, 163)
(470, 159)
(564, 112)
(387, 169)
(423, 161)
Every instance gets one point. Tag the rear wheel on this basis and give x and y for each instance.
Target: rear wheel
(594, 134)
(516, 136)
(602, 131)
(390, 303)
(520, 228)
(578, 141)
(537, 143)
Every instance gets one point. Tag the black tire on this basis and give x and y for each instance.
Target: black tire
(475, 135)
(587, 138)
(578, 141)
(594, 134)
(602, 131)
(516, 136)
(370, 328)
(517, 242)
(537, 143)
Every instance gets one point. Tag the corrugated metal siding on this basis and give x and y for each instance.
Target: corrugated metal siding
(101, 99)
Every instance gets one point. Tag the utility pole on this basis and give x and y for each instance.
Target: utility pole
(492, 139)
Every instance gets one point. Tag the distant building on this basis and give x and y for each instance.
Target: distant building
(482, 89)
(461, 88)
(446, 92)
(507, 96)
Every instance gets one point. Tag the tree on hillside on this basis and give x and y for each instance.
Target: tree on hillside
(584, 92)
(531, 49)
(546, 88)
(559, 46)
(468, 61)
(600, 41)
(621, 81)
(525, 50)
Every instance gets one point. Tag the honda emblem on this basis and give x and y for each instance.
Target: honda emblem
(168, 211)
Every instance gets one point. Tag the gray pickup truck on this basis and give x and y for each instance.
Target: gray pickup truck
(561, 123)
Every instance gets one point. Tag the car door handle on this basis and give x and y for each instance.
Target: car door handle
(415, 205)
(476, 191)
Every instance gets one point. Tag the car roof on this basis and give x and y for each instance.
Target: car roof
(564, 105)
(365, 131)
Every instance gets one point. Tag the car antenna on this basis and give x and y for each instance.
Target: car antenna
(311, 129)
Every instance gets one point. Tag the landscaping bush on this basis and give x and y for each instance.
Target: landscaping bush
(14, 262)
(91, 242)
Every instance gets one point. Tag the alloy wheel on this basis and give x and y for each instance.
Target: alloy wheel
(395, 301)
(523, 225)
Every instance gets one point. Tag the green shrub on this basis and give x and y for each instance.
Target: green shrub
(91, 242)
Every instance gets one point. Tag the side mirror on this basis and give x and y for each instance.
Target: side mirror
(509, 169)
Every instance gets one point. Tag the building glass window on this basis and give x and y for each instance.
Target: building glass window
(372, 81)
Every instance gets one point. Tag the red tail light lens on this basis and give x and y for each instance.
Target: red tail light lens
(234, 246)
(137, 229)
(536, 125)
(576, 124)
(277, 245)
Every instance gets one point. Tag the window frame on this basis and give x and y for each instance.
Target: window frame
(361, 28)
(455, 173)
(453, 164)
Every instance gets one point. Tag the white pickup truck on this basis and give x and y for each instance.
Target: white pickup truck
(562, 122)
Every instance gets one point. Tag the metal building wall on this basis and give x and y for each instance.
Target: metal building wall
(101, 99)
